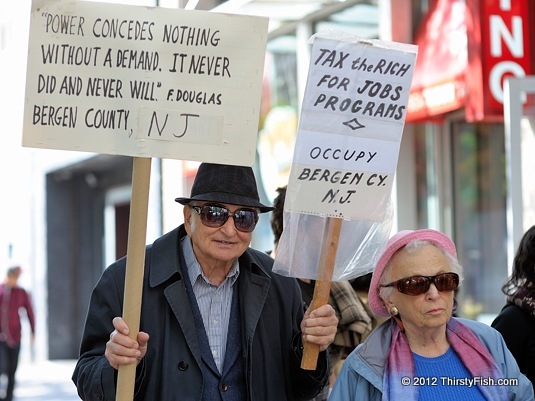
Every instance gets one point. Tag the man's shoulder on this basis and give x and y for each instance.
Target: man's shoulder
(261, 261)
(262, 256)
(259, 258)
(19, 291)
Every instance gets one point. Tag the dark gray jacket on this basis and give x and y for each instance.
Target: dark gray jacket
(271, 313)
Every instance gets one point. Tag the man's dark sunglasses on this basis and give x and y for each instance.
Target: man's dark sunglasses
(417, 285)
(213, 215)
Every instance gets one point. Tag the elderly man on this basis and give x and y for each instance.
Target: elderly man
(216, 324)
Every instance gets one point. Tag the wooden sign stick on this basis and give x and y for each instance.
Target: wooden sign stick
(135, 266)
(322, 287)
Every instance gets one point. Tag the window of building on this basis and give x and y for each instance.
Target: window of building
(479, 196)
(477, 193)
(427, 195)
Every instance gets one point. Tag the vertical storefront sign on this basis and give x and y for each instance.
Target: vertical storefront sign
(500, 39)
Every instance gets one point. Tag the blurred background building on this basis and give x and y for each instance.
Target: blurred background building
(465, 165)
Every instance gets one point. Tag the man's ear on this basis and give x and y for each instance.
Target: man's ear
(187, 218)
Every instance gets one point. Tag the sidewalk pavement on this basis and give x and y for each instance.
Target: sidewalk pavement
(45, 381)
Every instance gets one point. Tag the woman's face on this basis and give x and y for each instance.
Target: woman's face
(431, 309)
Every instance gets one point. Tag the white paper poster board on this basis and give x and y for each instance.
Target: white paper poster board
(147, 82)
(345, 157)
(350, 128)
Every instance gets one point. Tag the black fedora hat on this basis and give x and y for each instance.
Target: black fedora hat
(223, 183)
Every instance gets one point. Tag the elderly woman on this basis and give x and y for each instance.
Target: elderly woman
(422, 352)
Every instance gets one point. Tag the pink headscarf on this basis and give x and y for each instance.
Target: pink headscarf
(393, 245)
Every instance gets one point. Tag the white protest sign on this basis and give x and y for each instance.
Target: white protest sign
(350, 129)
(140, 81)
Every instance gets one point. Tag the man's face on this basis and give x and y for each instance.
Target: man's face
(221, 245)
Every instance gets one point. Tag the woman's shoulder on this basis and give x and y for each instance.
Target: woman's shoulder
(491, 338)
(375, 348)
(515, 325)
(487, 334)
(476, 326)
(361, 377)
(512, 312)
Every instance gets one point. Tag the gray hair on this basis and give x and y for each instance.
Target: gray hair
(411, 247)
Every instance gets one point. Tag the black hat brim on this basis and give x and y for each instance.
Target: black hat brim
(222, 197)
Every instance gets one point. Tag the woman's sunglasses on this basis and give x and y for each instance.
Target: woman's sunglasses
(216, 215)
(417, 285)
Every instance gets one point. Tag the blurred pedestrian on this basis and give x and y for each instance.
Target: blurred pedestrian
(516, 320)
(13, 298)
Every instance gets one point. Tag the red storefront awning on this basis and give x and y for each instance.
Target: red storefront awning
(438, 83)
(467, 48)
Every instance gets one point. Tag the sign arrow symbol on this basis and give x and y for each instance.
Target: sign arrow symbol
(354, 124)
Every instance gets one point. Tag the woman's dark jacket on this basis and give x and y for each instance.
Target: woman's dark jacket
(518, 330)
(271, 313)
